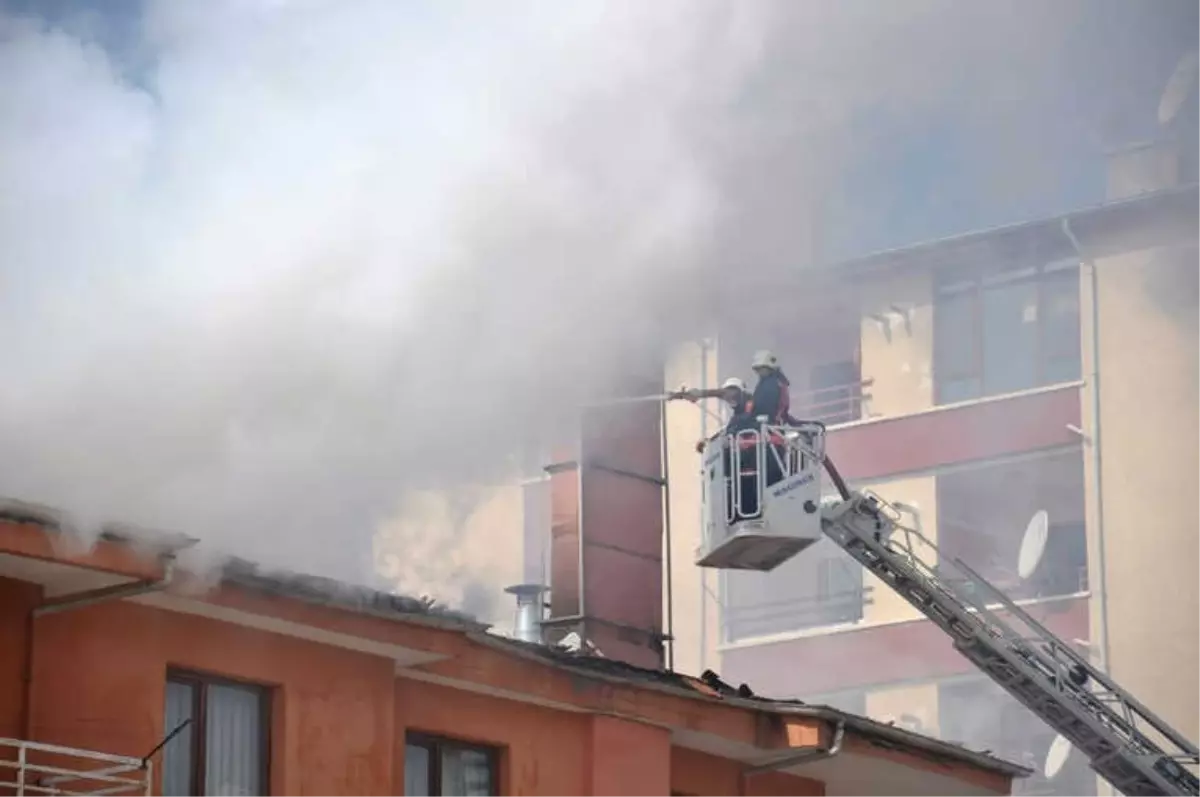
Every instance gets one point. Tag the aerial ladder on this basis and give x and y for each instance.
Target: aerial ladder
(763, 505)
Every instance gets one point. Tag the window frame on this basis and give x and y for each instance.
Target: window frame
(960, 539)
(199, 683)
(433, 744)
(971, 285)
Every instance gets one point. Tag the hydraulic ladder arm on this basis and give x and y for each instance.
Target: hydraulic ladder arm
(1127, 744)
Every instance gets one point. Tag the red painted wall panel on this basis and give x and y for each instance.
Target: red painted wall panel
(873, 655)
(610, 503)
(979, 431)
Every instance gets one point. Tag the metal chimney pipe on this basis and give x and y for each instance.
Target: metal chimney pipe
(528, 626)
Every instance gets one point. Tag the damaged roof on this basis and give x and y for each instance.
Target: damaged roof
(329, 592)
(251, 575)
(709, 686)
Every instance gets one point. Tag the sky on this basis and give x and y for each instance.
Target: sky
(272, 270)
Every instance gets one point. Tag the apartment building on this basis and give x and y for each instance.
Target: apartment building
(1049, 366)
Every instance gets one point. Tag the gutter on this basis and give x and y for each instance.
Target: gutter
(80, 599)
(1101, 589)
(934, 749)
(802, 757)
(77, 601)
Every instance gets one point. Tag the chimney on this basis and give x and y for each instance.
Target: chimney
(528, 625)
(607, 530)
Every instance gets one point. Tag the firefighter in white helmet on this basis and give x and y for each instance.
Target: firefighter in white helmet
(733, 392)
(772, 394)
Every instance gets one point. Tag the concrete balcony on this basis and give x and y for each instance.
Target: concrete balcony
(981, 429)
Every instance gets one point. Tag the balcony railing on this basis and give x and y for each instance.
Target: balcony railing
(29, 768)
(1053, 580)
(795, 614)
(835, 404)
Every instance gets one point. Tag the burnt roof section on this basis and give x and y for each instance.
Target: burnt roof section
(709, 686)
(343, 595)
(154, 543)
(15, 511)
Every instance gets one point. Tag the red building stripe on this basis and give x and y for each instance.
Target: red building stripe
(872, 655)
(980, 431)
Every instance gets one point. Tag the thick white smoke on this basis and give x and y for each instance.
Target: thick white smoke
(268, 270)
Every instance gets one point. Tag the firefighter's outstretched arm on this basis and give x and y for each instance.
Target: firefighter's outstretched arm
(693, 394)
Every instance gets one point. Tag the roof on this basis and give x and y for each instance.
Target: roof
(1103, 229)
(253, 576)
(709, 686)
(325, 591)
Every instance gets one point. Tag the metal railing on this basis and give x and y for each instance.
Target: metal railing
(31, 768)
(764, 618)
(835, 404)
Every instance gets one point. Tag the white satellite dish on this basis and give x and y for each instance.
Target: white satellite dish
(1056, 756)
(1178, 87)
(1033, 544)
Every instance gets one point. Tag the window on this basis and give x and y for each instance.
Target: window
(822, 586)
(983, 511)
(222, 747)
(434, 766)
(835, 392)
(976, 712)
(853, 701)
(1006, 332)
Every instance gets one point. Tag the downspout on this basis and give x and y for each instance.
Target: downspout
(805, 756)
(1097, 475)
(665, 453)
(704, 345)
(27, 678)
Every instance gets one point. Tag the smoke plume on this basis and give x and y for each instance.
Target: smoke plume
(270, 272)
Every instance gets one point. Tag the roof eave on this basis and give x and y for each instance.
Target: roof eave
(1179, 198)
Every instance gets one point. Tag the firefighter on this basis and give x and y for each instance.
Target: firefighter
(772, 394)
(771, 400)
(733, 392)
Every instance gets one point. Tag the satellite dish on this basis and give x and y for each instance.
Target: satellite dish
(1033, 544)
(1056, 756)
(1178, 87)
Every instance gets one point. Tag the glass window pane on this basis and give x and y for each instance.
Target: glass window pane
(1010, 337)
(466, 772)
(954, 336)
(954, 390)
(177, 754)
(233, 740)
(416, 771)
(1060, 327)
(823, 587)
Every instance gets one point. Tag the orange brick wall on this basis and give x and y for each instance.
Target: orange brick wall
(99, 680)
(700, 774)
(338, 717)
(17, 598)
(543, 749)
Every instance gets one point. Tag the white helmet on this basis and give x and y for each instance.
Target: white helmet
(765, 359)
(733, 382)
